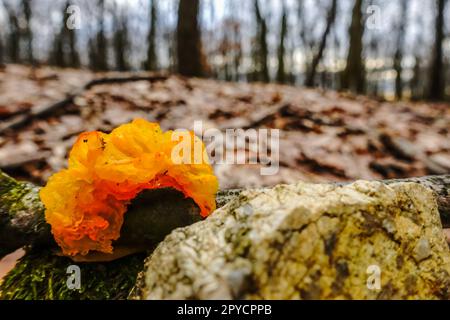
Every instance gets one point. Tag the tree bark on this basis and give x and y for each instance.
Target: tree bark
(64, 52)
(151, 62)
(2, 48)
(150, 217)
(27, 32)
(437, 89)
(318, 57)
(14, 35)
(99, 51)
(353, 77)
(189, 48)
(261, 55)
(120, 41)
(281, 72)
(398, 56)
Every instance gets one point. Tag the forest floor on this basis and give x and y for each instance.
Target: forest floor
(324, 135)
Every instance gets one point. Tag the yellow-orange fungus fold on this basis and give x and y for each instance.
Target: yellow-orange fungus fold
(85, 204)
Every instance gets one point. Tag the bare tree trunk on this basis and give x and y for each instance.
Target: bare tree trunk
(92, 53)
(237, 56)
(120, 40)
(57, 55)
(353, 77)
(281, 73)
(13, 42)
(151, 62)
(189, 48)
(225, 47)
(74, 58)
(2, 48)
(99, 45)
(262, 52)
(304, 34)
(415, 83)
(398, 56)
(27, 33)
(437, 87)
(64, 52)
(318, 57)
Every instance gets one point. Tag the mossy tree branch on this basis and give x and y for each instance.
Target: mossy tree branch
(150, 217)
(41, 274)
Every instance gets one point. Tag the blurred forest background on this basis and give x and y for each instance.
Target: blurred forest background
(388, 49)
(358, 88)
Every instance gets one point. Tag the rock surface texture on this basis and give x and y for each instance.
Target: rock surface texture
(307, 241)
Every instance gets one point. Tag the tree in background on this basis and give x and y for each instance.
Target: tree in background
(98, 53)
(2, 53)
(27, 34)
(2, 48)
(64, 52)
(151, 62)
(237, 50)
(331, 17)
(225, 50)
(189, 48)
(375, 47)
(398, 56)
(70, 34)
(417, 83)
(305, 33)
(13, 35)
(233, 51)
(281, 72)
(229, 46)
(261, 50)
(353, 77)
(437, 81)
(120, 40)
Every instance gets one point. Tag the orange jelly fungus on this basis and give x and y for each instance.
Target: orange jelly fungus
(85, 204)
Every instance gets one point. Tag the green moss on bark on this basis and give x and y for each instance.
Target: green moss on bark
(43, 275)
(22, 220)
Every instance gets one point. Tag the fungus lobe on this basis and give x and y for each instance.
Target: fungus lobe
(85, 203)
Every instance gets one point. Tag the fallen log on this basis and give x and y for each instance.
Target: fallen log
(150, 217)
(354, 223)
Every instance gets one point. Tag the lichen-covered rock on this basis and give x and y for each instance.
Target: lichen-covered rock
(307, 241)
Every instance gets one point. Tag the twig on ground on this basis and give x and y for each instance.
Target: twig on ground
(46, 110)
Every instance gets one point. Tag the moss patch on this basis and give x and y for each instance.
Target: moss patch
(43, 275)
